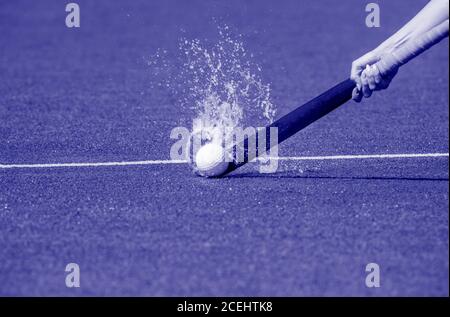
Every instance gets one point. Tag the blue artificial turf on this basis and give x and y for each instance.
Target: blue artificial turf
(84, 95)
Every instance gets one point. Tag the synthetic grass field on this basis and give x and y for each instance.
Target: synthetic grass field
(83, 96)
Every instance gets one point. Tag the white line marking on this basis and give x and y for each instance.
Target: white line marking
(363, 156)
(289, 158)
(93, 164)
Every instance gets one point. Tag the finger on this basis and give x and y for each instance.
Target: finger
(376, 75)
(356, 77)
(356, 95)
(355, 71)
(365, 85)
(358, 83)
(359, 64)
(371, 81)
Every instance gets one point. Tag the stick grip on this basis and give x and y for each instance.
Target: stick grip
(412, 48)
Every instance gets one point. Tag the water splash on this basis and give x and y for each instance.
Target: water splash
(218, 86)
(224, 85)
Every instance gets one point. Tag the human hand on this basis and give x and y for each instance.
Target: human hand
(367, 76)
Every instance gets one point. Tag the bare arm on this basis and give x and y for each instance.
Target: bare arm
(433, 14)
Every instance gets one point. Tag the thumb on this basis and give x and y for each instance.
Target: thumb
(359, 64)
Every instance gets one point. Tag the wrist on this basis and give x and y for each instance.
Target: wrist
(379, 52)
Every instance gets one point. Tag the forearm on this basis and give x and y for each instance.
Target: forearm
(434, 13)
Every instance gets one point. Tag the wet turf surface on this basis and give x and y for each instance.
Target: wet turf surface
(310, 229)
